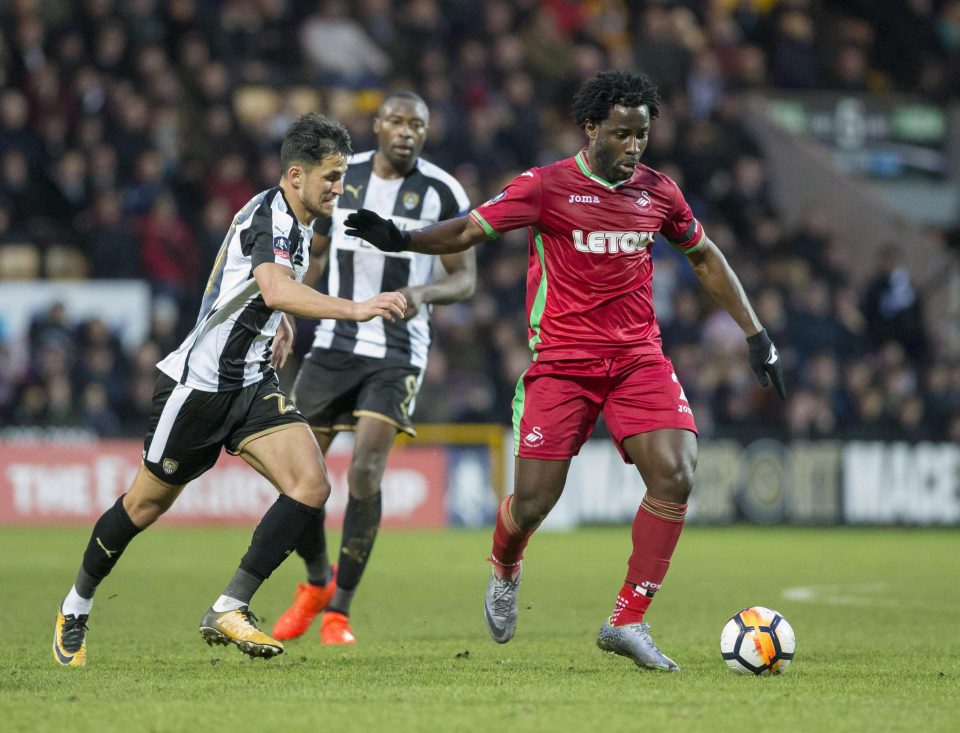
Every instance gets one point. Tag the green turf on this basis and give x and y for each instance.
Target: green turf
(878, 637)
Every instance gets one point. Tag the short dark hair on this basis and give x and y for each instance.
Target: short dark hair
(311, 138)
(403, 94)
(606, 90)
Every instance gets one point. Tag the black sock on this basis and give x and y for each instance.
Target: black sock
(312, 547)
(242, 586)
(340, 603)
(360, 527)
(272, 541)
(110, 537)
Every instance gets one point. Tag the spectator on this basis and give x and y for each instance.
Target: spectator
(50, 329)
(15, 133)
(340, 50)
(17, 189)
(892, 306)
(169, 258)
(96, 413)
(31, 406)
(111, 244)
(794, 58)
(147, 185)
(230, 182)
(60, 408)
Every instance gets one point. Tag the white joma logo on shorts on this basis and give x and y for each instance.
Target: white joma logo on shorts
(683, 397)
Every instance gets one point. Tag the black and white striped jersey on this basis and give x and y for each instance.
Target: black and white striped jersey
(230, 346)
(358, 271)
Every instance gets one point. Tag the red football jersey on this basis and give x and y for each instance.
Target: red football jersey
(589, 277)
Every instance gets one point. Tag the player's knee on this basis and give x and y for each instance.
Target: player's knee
(529, 511)
(145, 510)
(147, 499)
(365, 474)
(681, 486)
(314, 495)
(311, 486)
(673, 483)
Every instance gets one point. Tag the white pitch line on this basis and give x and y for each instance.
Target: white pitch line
(878, 595)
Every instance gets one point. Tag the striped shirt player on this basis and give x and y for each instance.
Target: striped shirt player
(219, 389)
(426, 195)
(364, 377)
(229, 347)
(375, 369)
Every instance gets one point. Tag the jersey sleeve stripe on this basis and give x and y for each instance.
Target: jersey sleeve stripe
(491, 232)
(691, 240)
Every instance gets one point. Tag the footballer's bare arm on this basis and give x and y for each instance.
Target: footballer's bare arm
(719, 279)
(319, 254)
(447, 237)
(282, 292)
(458, 284)
(442, 238)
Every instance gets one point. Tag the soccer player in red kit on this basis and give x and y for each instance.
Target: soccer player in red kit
(595, 340)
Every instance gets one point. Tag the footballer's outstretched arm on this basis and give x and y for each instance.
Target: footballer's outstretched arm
(458, 284)
(719, 279)
(447, 237)
(713, 270)
(282, 292)
(444, 237)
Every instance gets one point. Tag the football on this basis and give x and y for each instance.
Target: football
(757, 641)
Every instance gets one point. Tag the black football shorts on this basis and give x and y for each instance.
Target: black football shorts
(334, 388)
(189, 427)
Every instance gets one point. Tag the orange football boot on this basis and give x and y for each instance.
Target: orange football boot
(335, 629)
(308, 601)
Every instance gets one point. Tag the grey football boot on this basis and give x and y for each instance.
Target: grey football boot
(500, 608)
(633, 641)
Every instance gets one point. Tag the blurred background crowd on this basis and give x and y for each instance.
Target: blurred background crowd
(130, 132)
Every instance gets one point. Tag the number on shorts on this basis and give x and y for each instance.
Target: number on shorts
(282, 407)
(410, 382)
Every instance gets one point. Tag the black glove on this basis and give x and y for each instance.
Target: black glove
(765, 361)
(381, 233)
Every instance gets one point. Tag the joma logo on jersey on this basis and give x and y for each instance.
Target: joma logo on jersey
(611, 242)
(578, 199)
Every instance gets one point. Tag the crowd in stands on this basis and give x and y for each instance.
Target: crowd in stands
(130, 132)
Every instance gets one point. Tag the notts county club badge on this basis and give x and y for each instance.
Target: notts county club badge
(410, 200)
(169, 466)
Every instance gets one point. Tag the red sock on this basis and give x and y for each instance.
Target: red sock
(656, 530)
(509, 542)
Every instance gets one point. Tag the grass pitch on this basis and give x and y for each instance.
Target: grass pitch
(876, 613)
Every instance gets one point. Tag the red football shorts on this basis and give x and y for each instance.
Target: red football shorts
(557, 403)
